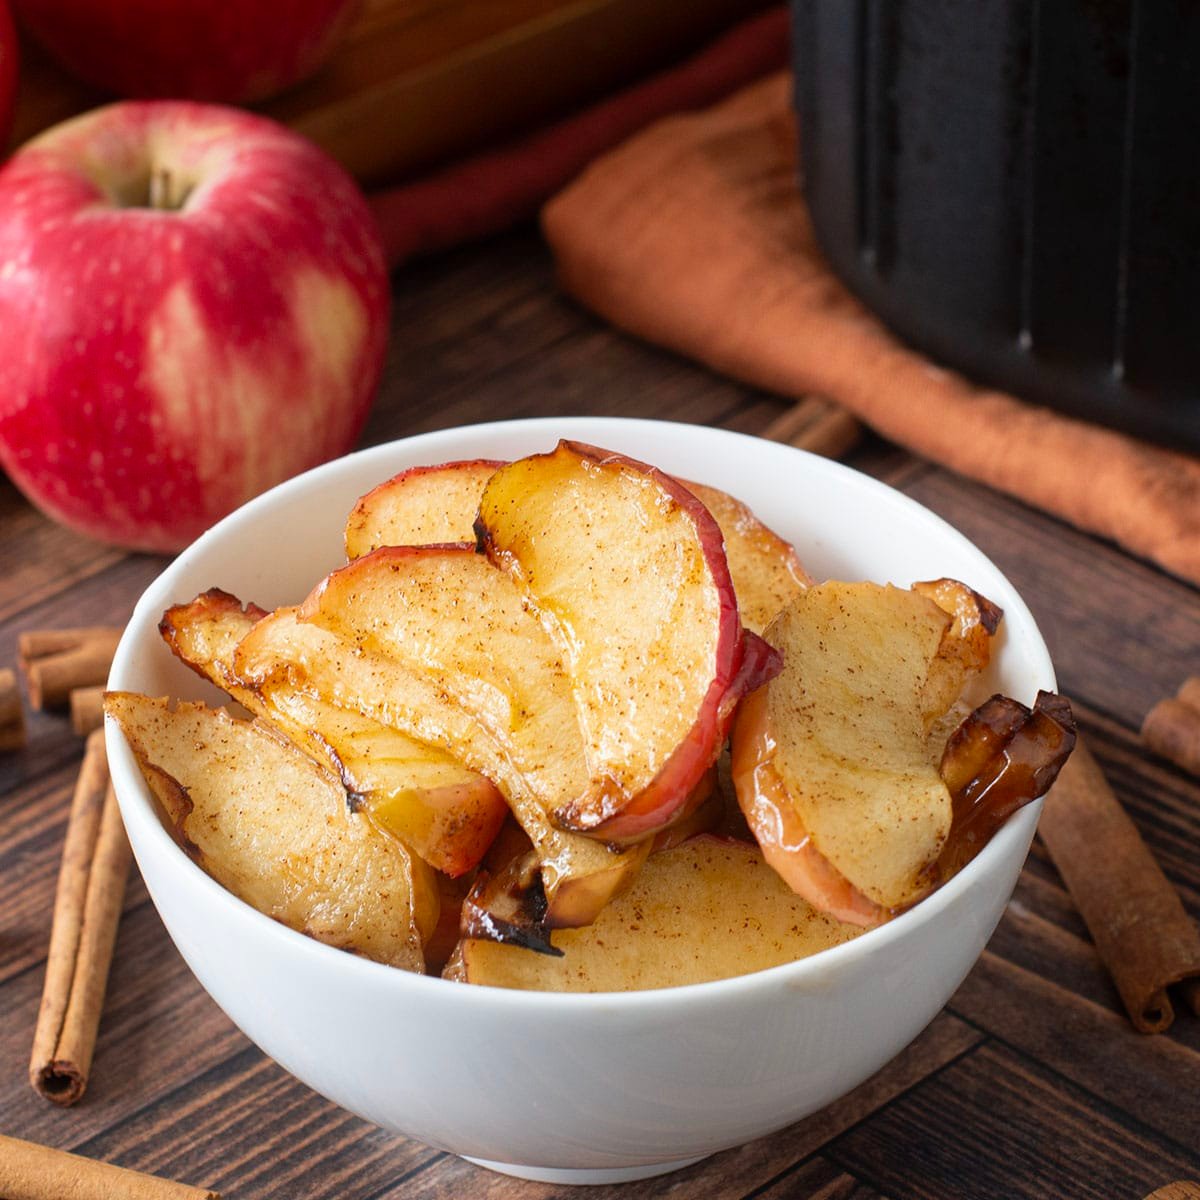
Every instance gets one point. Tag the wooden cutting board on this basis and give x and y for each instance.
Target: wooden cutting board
(419, 81)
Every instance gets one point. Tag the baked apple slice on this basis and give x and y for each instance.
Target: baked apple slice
(767, 573)
(204, 632)
(707, 909)
(628, 572)
(507, 902)
(442, 811)
(1000, 758)
(423, 506)
(272, 826)
(426, 505)
(843, 727)
(435, 643)
(849, 795)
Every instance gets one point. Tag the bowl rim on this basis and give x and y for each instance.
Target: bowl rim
(150, 834)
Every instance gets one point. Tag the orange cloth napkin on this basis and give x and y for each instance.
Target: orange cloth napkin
(694, 235)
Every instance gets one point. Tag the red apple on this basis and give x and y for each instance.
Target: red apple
(189, 49)
(193, 307)
(8, 72)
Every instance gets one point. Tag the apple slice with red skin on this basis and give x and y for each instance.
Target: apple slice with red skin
(422, 506)
(443, 812)
(439, 504)
(852, 800)
(434, 642)
(627, 570)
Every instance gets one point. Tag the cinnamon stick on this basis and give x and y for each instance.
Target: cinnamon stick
(41, 643)
(815, 424)
(1189, 691)
(1182, 1189)
(57, 661)
(12, 715)
(1172, 727)
(1142, 932)
(87, 709)
(32, 1172)
(87, 908)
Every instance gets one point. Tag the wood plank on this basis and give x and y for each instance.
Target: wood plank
(737, 1172)
(248, 1129)
(158, 1031)
(40, 559)
(818, 1179)
(994, 1124)
(1091, 1045)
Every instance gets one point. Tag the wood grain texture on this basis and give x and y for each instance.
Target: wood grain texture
(1031, 1084)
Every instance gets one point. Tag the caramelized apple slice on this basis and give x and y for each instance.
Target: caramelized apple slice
(444, 812)
(273, 827)
(966, 645)
(423, 506)
(778, 827)
(436, 643)
(1000, 758)
(508, 903)
(627, 570)
(766, 571)
(427, 505)
(844, 728)
(849, 734)
(707, 909)
(203, 634)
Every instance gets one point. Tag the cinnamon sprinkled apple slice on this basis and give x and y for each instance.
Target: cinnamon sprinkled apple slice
(422, 506)
(842, 765)
(272, 826)
(843, 728)
(627, 570)
(433, 641)
(766, 570)
(442, 811)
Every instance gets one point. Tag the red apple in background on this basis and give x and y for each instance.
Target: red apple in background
(8, 72)
(193, 307)
(190, 49)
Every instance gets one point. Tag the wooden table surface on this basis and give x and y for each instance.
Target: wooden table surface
(1030, 1083)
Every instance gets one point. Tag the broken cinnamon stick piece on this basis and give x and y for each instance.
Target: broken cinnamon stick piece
(1142, 932)
(87, 709)
(12, 715)
(815, 424)
(1172, 728)
(32, 1172)
(57, 661)
(87, 908)
(40, 643)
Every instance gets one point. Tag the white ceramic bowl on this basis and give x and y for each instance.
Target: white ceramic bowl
(576, 1088)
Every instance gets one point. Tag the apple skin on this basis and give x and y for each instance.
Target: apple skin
(158, 367)
(8, 72)
(189, 49)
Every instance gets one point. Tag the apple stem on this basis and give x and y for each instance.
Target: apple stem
(167, 190)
